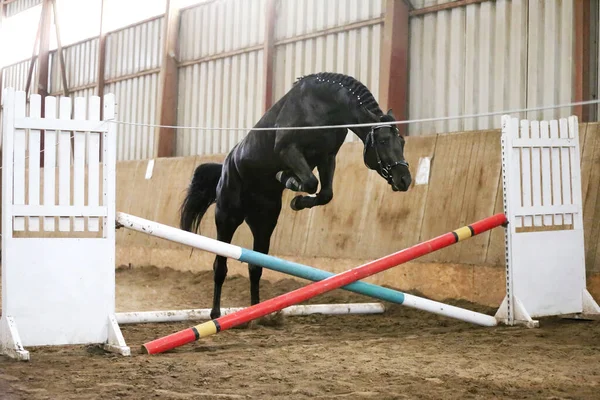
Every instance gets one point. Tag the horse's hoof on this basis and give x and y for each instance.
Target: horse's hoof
(279, 176)
(294, 203)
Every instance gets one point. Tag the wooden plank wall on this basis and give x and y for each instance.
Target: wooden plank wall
(366, 219)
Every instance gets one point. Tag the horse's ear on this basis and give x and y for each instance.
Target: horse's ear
(391, 114)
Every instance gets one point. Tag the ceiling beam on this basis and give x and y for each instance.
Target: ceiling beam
(581, 76)
(168, 78)
(393, 83)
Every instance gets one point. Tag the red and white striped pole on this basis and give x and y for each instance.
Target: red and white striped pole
(316, 288)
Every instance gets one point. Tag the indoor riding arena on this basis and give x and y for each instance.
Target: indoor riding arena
(450, 251)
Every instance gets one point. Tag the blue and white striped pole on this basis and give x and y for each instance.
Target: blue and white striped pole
(298, 270)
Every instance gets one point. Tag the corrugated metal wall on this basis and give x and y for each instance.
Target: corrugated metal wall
(18, 6)
(133, 57)
(335, 35)
(491, 56)
(221, 73)
(16, 75)
(81, 64)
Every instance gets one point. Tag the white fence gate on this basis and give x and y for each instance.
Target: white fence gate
(545, 254)
(58, 246)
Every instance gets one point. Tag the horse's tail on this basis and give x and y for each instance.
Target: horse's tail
(201, 193)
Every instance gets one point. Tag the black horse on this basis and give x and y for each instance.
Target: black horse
(248, 186)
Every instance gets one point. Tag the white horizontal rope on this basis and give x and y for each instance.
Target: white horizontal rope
(408, 121)
(488, 114)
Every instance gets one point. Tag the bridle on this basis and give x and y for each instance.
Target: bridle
(384, 170)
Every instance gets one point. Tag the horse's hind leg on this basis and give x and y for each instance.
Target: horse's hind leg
(262, 221)
(227, 222)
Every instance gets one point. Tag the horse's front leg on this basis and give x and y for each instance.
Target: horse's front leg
(326, 170)
(301, 178)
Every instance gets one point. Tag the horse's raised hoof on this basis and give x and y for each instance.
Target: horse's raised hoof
(294, 203)
(279, 177)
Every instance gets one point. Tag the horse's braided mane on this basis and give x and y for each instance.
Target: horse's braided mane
(356, 89)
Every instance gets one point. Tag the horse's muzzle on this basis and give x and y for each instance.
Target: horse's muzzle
(404, 184)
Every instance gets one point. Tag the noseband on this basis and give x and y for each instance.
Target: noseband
(384, 170)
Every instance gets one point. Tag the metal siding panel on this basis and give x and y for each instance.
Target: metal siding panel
(224, 26)
(298, 17)
(218, 93)
(355, 52)
(134, 49)
(415, 71)
(441, 54)
(80, 64)
(135, 103)
(478, 58)
(15, 75)
(550, 55)
(456, 78)
(486, 65)
(19, 6)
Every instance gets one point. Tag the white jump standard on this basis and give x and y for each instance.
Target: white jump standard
(58, 290)
(542, 188)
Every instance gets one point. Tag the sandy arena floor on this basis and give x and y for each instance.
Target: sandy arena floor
(402, 354)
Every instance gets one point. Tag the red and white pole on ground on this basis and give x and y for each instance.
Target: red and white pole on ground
(316, 288)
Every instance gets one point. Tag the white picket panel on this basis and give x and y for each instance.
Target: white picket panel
(545, 267)
(79, 306)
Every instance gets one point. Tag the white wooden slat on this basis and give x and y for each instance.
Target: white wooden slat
(93, 163)
(64, 164)
(19, 161)
(561, 208)
(556, 173)
(566, 143)
(546, 180)
(536, 174)
(79, 164)
(49, 162)
(565, 169)
(526, 172)
(576, 174)
(8, 104)
(515, 169)
(68, 210)
(67, 125)
(35, 110)
(109, 169)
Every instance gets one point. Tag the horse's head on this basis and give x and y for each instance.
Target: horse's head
(384, 153)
